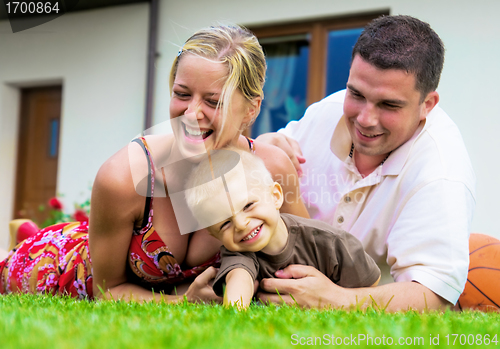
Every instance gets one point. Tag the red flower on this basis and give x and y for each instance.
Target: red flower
(81, 216)
(55, 204)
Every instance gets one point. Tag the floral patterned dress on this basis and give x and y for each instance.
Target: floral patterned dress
(56, 260)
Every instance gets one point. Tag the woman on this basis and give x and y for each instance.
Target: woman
(129, 248)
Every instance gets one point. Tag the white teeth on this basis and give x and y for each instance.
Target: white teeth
(252, 235)
(369, 136)
(194, 132)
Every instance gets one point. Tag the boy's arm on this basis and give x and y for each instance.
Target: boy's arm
(239, 288)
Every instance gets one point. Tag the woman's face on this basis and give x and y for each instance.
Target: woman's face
(195, 119)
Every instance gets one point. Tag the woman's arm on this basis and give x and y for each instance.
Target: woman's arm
(239, 288)
(283, 172)
(116, 207)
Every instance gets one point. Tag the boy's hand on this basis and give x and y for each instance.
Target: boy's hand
(201, 288)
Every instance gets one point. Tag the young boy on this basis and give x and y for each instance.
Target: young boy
(232, 194)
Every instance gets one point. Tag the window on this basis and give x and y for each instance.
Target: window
(306, 62)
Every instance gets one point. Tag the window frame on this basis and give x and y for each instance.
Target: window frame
(318, 30)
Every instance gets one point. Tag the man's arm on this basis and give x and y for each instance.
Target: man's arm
(239, 288)
(310, 288)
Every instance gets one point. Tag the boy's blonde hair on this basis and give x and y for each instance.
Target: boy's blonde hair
(240, 50)
(201, 186)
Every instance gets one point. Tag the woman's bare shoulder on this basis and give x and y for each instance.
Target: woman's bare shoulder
(275, 159)
(281, 168)
(115, 173)
(129, 166)
(118, 197)
(160, 143)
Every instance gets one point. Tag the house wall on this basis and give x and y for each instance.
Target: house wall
(99, 57)
(469, 86)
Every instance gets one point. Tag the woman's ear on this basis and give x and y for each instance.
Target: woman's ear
(253, 109)
(277, 192)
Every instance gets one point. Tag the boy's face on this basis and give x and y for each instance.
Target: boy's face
(252, 228)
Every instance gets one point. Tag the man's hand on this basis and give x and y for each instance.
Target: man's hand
(309, 288)
(288, 145)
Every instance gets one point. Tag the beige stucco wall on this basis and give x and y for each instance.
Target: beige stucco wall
(100, 58)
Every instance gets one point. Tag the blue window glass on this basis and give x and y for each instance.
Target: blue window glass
(287, 77)
(340, 44)
(54, 138)
(286, 82)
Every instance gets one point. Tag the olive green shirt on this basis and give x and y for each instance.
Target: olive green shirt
(335, 253)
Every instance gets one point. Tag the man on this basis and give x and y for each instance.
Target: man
(386, 164)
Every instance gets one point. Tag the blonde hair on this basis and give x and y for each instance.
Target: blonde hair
(240, 50)
(201, 185)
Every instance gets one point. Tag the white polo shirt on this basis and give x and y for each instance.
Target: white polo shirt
(412, 214)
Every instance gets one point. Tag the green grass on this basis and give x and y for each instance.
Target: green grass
(28, 321)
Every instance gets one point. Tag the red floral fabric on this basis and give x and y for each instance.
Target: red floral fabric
(56, 260)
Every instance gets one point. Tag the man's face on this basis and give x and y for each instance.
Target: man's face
(382, 108)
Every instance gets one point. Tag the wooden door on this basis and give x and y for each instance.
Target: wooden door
(37, 151)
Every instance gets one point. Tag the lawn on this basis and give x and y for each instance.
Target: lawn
(28, 321)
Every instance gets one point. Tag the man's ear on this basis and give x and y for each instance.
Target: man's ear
(253, 109)
(429, 103)
(277, 192)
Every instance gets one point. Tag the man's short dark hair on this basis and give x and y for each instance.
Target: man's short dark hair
(403, 42)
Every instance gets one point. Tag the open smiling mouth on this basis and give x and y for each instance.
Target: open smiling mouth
(253, 233)
(195, 133)
(368, 135)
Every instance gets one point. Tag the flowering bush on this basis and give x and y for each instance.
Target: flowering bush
(56, 214)
(55, 204)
